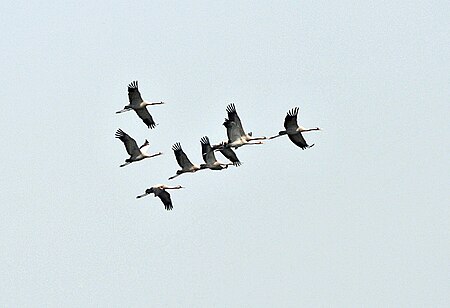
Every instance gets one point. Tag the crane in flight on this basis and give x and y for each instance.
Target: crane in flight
(208, 156)
(139, 105)
(183, 161)
(160, 191)
(294, 131)
(136, 153)
(235, 132)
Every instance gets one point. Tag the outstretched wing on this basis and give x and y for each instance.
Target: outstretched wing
(207, 152)
(165, 198)
(233, 131)
(134, 96)
(290, 122)
(231, 156)
(298, 140)
(182, 160)
(146, 117)
(233, 116)
(130, 143)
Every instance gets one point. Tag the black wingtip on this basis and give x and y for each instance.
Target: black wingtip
(231, 108)
(176, 146)
(150, 123)
(204, 140)
(133, 85)
(119, 133)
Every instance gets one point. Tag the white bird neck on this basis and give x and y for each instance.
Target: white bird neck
(302, 129)
(152, 103)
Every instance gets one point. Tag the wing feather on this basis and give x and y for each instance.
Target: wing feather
(182, 159)
(233, 116)
(130, 144)
(290, 122)
(231, 156)
(298, 140)
(233, 131)
(134, 96)
(146, 117)
(165, 198)
(207, 151)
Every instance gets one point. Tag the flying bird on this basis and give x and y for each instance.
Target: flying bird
(160, 191)
(209, 157)
(235, 132)
(136, 153)
(183, 161)
(228, 153)
(294, 131)
(139, 105)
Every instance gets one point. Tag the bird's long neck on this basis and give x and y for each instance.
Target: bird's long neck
(152, 103)
(308, 129)
(173, 187)
(256, 138)
(253, 141)
(152, 155)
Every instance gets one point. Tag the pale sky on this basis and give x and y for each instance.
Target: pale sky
(360, 219)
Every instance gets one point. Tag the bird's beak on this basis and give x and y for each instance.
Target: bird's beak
(140, 196)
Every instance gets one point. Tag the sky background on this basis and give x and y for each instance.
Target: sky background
(360, 219)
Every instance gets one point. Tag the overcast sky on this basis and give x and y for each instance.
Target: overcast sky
(360, 219)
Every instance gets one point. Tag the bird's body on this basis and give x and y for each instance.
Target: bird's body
(293, 130)
(139, 105)
(183, 161)
(160, 192)
(136, 153)
(208, 156)
(237, 137)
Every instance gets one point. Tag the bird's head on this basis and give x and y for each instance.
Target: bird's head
(125, 108)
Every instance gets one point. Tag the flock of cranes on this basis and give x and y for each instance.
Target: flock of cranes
(236, 134)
